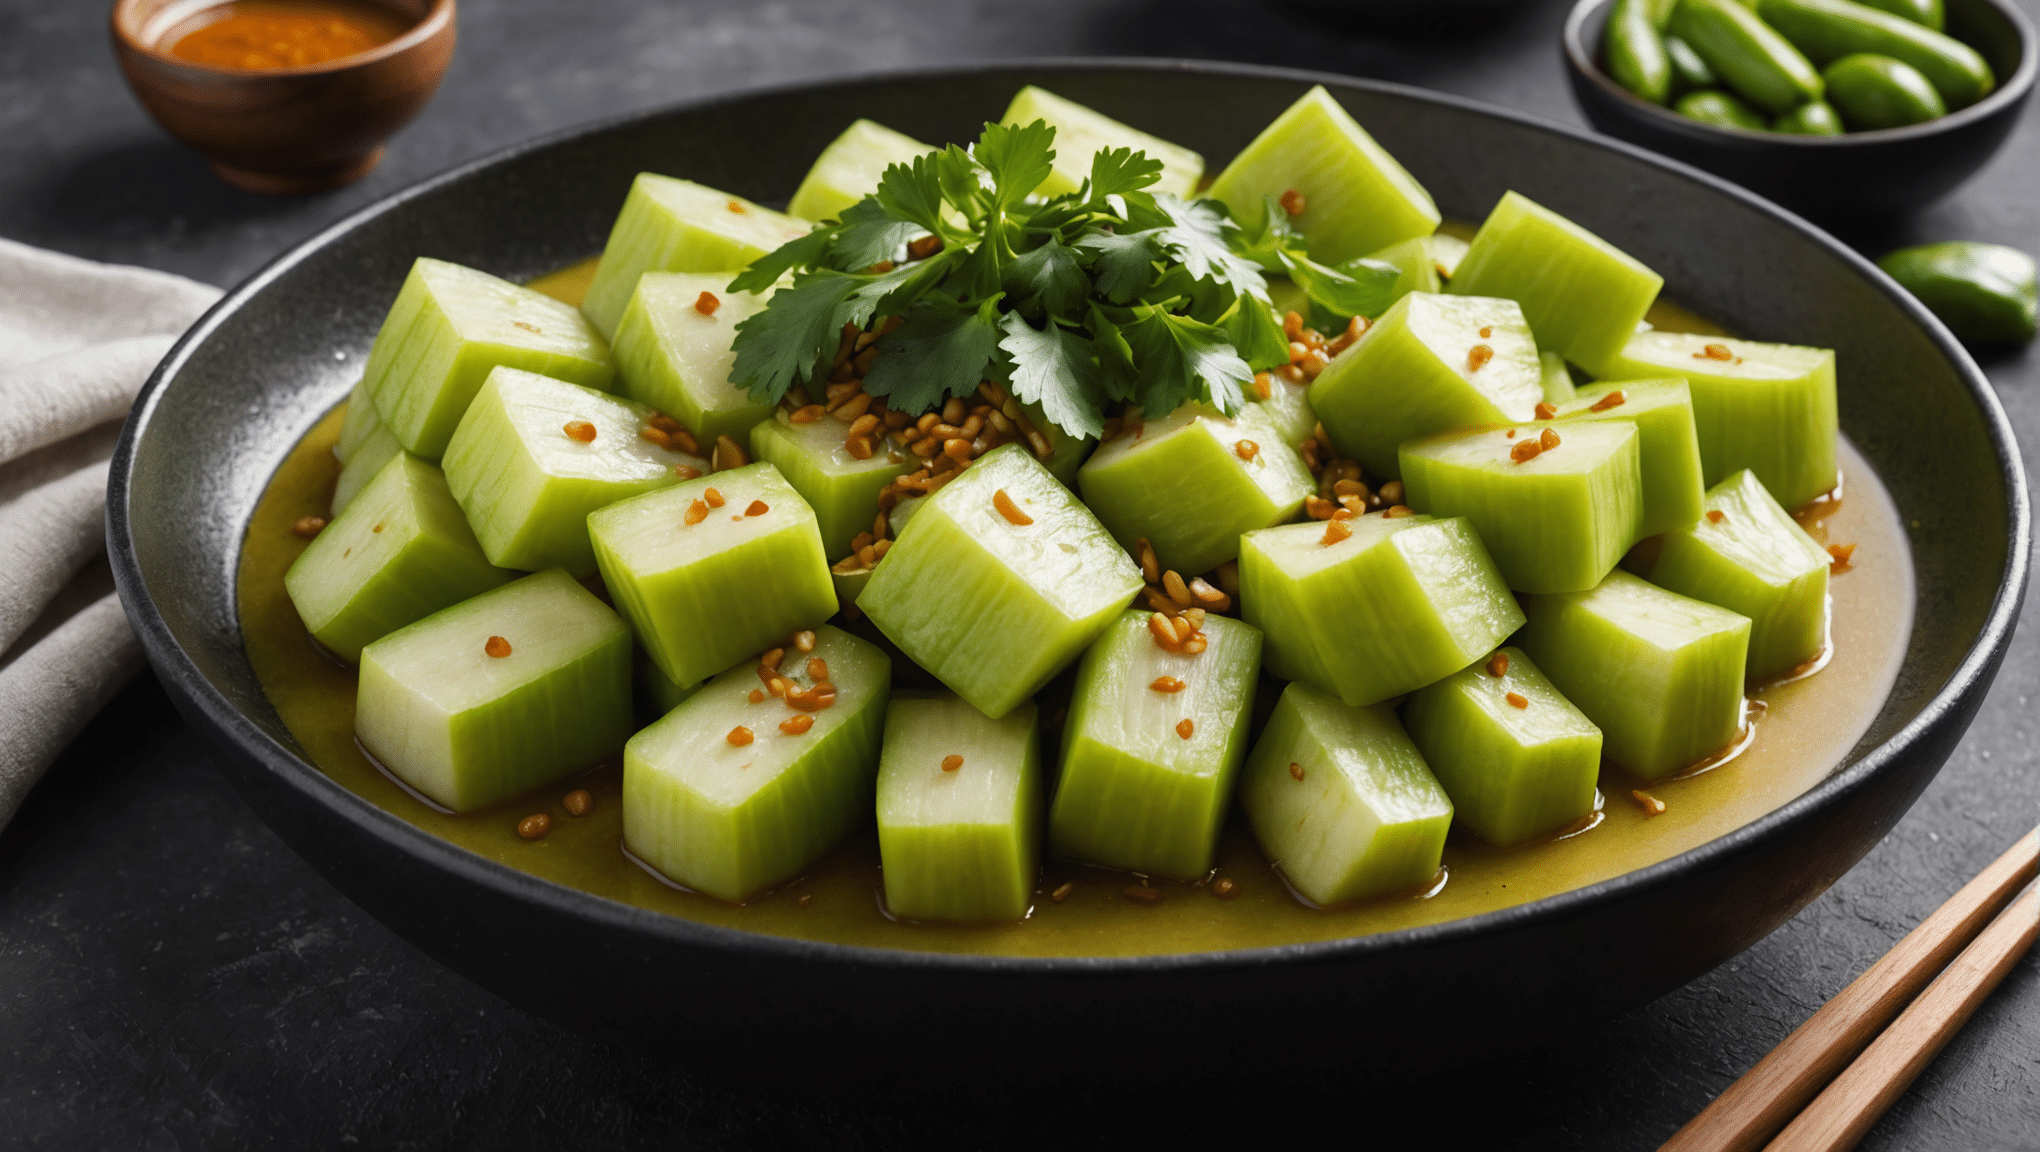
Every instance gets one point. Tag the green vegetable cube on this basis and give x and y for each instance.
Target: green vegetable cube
(842, 489)
(1421, 369)
(733, 817)
(849, 169)
(713, 570)
(1080, 133)
(1066, 453)
(360, 422)
(519, 687)
(449, 328)
(1398, 603)
(991, 607)
(1514, 773)
(1582, 295)
(1662, 411)
(1766, 407)
(1357, 198)
(1556, 522)
(527, 482)
(1557, 379)
(670, 225)
(1287, 410)
(378, 449)
(1748, 555)
(1147, 774)
(1661, 674)
(671, 356)
(1342, 801)
(1192, 481)
(400, 552)
(1419, 267)
(958, 843)
(1448, 250)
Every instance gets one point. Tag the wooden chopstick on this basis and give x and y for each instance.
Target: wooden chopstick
(1841, 1114)
(1772, 1092)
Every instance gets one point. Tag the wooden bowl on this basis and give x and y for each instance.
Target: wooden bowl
(285, 131)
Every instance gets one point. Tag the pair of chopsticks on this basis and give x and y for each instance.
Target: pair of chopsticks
(1824, 1087)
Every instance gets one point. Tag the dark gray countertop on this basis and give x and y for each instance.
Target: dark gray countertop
(172, 976)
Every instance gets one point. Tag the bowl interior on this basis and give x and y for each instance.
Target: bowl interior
(281, 350)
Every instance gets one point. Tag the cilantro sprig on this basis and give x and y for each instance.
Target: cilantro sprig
(1108, 295)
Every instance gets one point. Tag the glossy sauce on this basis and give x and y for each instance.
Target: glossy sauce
(265, 35)
(1807, 727)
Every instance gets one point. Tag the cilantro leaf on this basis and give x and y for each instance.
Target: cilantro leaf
(1360, 287)
(1053, 368)
(783, 340)
(1122, 265)
(1255, 334)
(1196, 236)
(1047, 278)
(766, 270)
(965, 183)
(1119, 170)
(940, 351)
(1115, 356)
(1018, 158)
(1183, 359)
(912, 192)
(870, 233)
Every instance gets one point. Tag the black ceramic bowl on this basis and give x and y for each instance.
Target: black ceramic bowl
(279, 351)
(1834, 179)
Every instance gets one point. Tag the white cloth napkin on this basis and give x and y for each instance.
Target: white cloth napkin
(76, 341)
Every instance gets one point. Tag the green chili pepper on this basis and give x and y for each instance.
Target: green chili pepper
(1689, 71)
(1818, 118)
(1980, 291)
(1636, 53)
(1827, 30)
(1878, 92)
(1711, 106)
(1927, 13)
(1759, 64)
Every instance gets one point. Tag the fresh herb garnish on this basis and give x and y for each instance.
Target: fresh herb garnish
(1106, 295)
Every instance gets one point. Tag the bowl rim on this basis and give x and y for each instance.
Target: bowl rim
(1580, 60)
(242, 735)
(438, 17)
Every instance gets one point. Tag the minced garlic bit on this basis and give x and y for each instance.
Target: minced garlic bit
(1716, 515)
(1246, 450)
(1292, 202)
(696, 512)
(1062, 892)
(1517, 700)
(1842, 554)
(580, 430)
(1295, 771)
(739, 736)
(757, 508)
(1225, 888)
(1478, 356)
(534, 826)
(1498, 665)
(713, 496)
(497, 647)
(1546, 410)
(1185, 727)
(1651, 805)
(1142, 894)
(706, 303)
(1613, 399)
(309, 526)
(1010, 510)
(951, 762)
(1167, 684)
(797, 725)
(578, 803)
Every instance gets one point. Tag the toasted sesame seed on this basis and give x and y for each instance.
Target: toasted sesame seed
(757, 695)
(578, 803)
(1142, 894)
(1264, 385)
(580, 430)
(1651, 805)
(1716, 515)
(807, 414)
(817, 669)
(727, 455)
(1613, 399)
(1842, 554)
(1714, 352)
(1295, 770)
(757, 508)
(1517, 700)
(736, 207)
(1185, 727)
(923, 248)
(1498, 665)
(497, 647)
(309, 526)
(1486, 333)
(1293, 202)
(1525, 451)
(1335, 531)
(951, 762)
(655, 435)
(526, 327)
(1183, 629)
(1172, 583)
(1164, 631)
(797, 725)
(1225, 888)
(1062, 892)
(804, 641)
(1548, 439)
(1546, 410)
(1246, 450)
(739, 736)
(713, 496)
(1398, 512)
(1478, 356)
(696, 512)
(1010, 510)
(534, 826)
(1167, 684)
(804, 901)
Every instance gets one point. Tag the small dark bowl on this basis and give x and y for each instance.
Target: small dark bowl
(239, 390)
(1834, 179)
(287, 131)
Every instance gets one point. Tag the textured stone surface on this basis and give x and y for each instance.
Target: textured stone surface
(172, 976)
